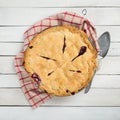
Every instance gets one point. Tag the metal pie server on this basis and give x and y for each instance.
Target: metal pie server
(104, 43)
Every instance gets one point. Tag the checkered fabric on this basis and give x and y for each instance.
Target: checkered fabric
(33, 95)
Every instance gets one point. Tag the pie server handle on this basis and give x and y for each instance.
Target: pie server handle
(87, 88)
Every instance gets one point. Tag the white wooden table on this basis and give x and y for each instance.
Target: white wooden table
(103, 100)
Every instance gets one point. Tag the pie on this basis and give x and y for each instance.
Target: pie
(61, 60)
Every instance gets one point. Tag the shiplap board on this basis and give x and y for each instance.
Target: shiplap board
(15, 34)
(60, 113)
(99, 81)
(95, 97)
(9, 81)
(15, 48)
(114, 49)
(29, 16)
(109, 65)
(57, 3)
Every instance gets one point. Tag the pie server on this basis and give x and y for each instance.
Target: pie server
(104, 43)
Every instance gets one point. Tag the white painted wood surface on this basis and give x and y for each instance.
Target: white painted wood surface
(103, 100)
(58, 3)
(26, 16)
(15, 34)
(96, 97)
(60, 113)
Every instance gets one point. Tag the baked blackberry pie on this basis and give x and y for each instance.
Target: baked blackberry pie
(61, 60)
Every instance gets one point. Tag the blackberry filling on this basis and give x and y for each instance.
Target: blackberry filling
(36, 78)
(81, 52)
(73, 93)
(78, 71)
(64, 45)
(50, 73)
(72, 70)
(30, 47)
(23, 63)
(47, 58)
(67, 91)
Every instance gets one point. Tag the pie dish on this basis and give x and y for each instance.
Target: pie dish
(61, 60)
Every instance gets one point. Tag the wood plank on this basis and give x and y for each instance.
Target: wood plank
(29, 16)
(106, 81)
(99, 81)
(110, 65)
(15, 48)
(60, 113)
(9, 81)
(114, 49)
(15, 34)
(7, 65)
(95, 97)
(10, 48)
(57, 3)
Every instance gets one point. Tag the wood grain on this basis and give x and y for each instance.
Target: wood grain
(29, 16)
(60, 113)
(58, 3)
(96, 97)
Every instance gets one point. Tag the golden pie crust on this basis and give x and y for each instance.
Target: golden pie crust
(62, 58)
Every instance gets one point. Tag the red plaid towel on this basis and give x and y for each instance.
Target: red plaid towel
(35, 97)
